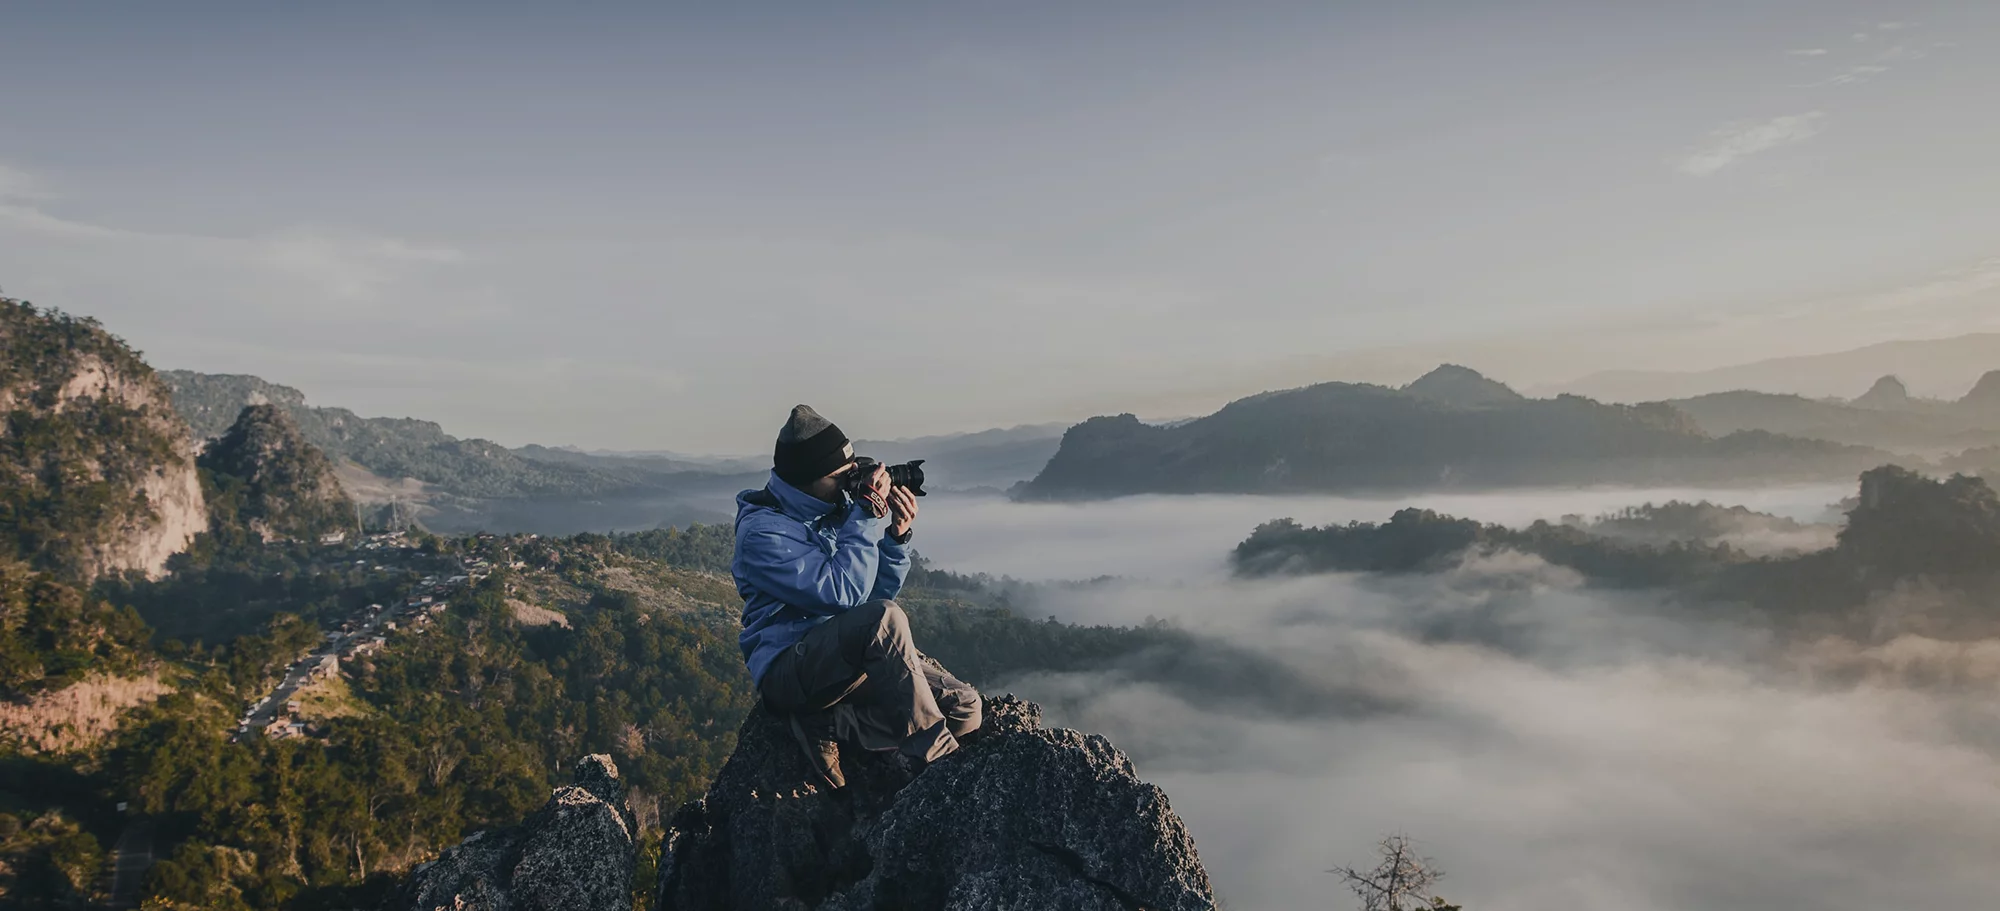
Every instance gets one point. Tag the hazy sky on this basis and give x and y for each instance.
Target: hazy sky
(658, 226)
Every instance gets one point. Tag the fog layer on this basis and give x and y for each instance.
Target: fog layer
(1551, 746)
(1187, 537)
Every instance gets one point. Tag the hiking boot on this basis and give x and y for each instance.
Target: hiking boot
(822, 752)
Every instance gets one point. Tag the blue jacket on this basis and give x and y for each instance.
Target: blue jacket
(803, 561)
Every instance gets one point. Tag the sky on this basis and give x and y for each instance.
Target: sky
(658, 226)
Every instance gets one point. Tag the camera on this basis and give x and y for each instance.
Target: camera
(909, 474)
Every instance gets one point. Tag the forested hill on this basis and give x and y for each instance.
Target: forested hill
(390, 447)
(265, 479)
(1450, 429)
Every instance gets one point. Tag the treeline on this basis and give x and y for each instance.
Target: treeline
(1421, 540)
(52, 634)
(1906, 534)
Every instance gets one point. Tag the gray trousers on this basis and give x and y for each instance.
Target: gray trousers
(861, 669)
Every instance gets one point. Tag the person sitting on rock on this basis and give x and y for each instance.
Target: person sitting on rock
(817, 568)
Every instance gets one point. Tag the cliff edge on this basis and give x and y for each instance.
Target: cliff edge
(97, 471)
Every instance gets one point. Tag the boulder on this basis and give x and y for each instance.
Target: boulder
(574, 854)
(1020, 817)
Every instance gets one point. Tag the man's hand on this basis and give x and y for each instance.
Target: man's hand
(902, 505)
(875, 499)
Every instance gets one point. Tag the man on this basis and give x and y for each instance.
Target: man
(817, 569)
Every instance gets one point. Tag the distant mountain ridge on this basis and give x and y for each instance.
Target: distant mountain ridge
(390, 447)
(1941, 367)
(1336, 437)
(1885, 416)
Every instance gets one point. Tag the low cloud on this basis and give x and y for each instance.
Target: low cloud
(1551, 745)
(1730, 144)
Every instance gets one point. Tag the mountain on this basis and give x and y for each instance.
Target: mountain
(1984, 398)
(408, 471)
(1451, 384)
(389, 447)
(1885, 416)
(97, 472)
(1349, 437)
(273, 483)
(1887, 393)
(1918, 425)
(1937, 367)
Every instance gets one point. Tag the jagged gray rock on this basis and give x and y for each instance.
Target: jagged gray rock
(1020, 818)
(575, 853)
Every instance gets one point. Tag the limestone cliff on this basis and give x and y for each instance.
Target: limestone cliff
(97, 471)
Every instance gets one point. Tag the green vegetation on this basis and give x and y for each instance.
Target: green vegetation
(72, 454)
(1676, 520)
(1420, 540)
(263, 478)
(214, 593)
(52, 635)
(468, 726)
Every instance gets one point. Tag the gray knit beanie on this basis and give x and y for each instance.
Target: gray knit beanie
(810, 447)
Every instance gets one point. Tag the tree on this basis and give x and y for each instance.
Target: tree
(1401, 882)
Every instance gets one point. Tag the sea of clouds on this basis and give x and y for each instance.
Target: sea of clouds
(1552, 746)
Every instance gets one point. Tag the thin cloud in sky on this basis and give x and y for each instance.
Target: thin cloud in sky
(344, 265)
(1808, 52)
(16, 184)
(1730, 144)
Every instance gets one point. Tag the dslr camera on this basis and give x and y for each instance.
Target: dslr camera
(909, 474)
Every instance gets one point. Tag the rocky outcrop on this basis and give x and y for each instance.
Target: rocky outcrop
(97, 471)
(1021, 817)
(273, 482)
(574, 854)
